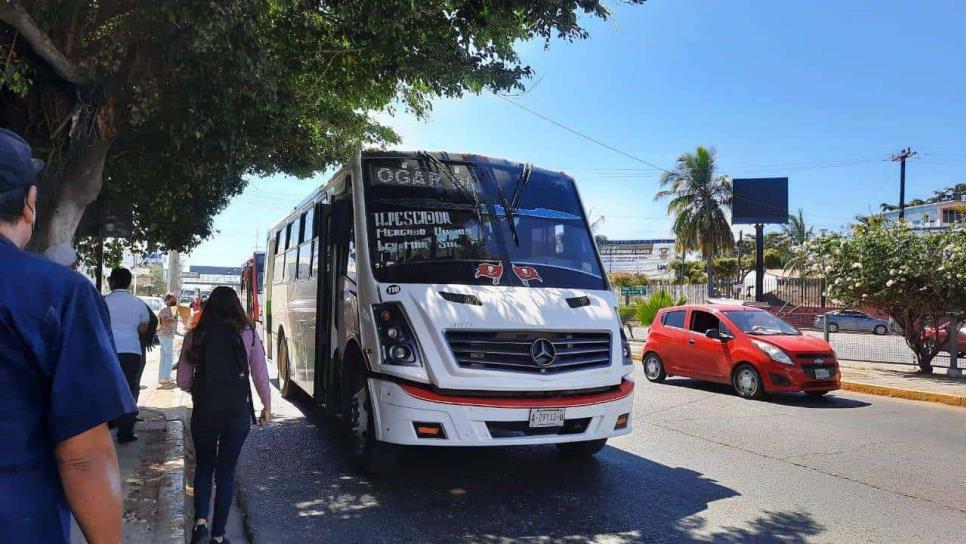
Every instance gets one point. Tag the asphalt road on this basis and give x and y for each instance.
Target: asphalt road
(700, 466)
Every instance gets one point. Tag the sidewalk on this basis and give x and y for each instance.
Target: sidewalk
(902, 381)
(156, 471)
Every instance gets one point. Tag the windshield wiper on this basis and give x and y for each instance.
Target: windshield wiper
(510, 209)
(508, 214)
(521, 183)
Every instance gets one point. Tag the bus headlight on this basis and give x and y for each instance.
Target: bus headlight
(396, 339)
(626, 349)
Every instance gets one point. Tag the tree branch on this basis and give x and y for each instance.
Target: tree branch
(16, 16)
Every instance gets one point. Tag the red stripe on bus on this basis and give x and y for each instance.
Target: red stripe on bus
(626, 388)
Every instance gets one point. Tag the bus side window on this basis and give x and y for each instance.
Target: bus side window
(350, 266)
(305, 245)
(278, 272)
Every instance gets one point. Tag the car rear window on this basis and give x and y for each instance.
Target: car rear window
(674, 318)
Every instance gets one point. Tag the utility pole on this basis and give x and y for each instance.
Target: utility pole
(759, 262)
(901, 157)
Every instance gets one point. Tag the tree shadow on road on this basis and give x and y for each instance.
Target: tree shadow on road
(831, 400)
(299, 485)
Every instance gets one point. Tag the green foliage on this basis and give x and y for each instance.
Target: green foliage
(88, 247)
(913, 278)
(955, 192)
(698, 196)
(694, 271)
(154, 284)
(773, 258)
(194, 97)
(647, 309)
(626, 312)
(626, 279)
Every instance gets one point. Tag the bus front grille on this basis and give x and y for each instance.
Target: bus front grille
(530, 351)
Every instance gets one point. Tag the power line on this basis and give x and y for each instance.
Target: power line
(582, 135)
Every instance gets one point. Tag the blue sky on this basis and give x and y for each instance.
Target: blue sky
(819, 91)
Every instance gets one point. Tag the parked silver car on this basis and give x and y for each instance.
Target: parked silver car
(853, 320)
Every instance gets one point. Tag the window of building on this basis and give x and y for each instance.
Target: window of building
(953, 216)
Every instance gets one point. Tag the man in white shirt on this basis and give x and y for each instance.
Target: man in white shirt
(129, 319)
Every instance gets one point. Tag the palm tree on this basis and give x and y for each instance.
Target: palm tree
(796, 233)
(697, 197)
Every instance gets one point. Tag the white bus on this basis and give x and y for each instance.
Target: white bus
(449, 300)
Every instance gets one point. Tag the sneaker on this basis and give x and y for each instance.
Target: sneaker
(224, 540)
(200, 534)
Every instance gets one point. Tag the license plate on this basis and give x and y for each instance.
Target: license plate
(823, 373)
(546, 417)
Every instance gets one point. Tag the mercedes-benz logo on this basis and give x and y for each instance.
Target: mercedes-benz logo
(543, 352)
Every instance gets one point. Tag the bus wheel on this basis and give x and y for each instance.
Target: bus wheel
(371, 456)
(285, 385)
(586, 448)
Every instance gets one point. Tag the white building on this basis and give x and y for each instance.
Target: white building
(932, 216)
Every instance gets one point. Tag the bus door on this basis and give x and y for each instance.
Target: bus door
(323, 327)
(339, 247)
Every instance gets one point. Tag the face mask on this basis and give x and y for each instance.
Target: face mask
(33, 224)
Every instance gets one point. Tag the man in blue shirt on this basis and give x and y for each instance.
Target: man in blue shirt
(60, 382)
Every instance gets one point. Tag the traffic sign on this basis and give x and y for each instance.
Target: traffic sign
(634, 290)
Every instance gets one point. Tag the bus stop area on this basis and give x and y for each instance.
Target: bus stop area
(296, 482)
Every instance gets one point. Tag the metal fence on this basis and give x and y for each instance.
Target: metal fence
(695, 293)
(800, 303)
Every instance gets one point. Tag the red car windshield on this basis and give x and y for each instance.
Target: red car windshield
(761, 323)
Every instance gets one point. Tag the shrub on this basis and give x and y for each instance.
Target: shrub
(647, 309)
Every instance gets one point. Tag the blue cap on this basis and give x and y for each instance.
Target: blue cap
(17, 167)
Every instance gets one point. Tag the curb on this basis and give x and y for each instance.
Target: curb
(172, 498)
(896, 392)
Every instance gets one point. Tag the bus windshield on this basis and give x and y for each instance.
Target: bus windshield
(477, 223)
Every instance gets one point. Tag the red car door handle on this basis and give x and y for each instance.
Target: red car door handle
(691, 341)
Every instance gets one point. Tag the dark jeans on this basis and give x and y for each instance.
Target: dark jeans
(218, 441)
(132, 365)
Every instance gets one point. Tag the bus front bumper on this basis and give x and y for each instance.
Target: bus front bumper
(402, 410)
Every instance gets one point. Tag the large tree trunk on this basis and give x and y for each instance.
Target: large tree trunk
(66, 195)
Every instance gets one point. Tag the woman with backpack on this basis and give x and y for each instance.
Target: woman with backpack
(217, 358)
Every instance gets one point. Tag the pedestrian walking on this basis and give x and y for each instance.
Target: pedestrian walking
(168, 319)
(130, 317)
(60, 382)
(197, 307)
(217, 358)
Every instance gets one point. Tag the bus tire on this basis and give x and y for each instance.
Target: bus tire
(370, 455)
(285, 385)
(576, 450)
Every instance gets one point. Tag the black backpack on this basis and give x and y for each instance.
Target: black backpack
(220, 387)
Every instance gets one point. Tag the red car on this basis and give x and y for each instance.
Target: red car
(751, 349)
(943, 340)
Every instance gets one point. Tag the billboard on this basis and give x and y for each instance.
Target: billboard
(650, 257)
(759, 200)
